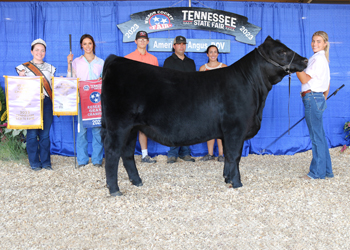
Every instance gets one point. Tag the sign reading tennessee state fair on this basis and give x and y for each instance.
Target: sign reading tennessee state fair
(90, 101)
(190, 18)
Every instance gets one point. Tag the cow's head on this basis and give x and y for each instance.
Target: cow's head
(281, 56)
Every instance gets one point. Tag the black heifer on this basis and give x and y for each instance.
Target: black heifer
(176, 108)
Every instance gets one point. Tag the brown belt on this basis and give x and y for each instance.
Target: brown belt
(305, 92)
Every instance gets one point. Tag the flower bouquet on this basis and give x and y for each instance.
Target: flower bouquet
(347, 132)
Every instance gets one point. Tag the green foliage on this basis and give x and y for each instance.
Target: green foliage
(2, 106)
(347, 129)
(12, 141)
(12, 150)
(12, 146)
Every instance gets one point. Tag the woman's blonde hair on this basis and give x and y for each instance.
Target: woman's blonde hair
(325, 38)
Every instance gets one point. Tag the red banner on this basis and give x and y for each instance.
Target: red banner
(90, 101)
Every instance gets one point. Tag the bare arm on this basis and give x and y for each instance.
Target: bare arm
(326, 92)
(202, 68)
(303, 77)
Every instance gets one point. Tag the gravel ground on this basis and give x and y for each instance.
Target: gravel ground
(180, 206)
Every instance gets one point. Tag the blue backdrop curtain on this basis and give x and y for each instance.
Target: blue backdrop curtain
(293, 24)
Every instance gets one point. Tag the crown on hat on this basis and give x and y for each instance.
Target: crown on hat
(41, 41)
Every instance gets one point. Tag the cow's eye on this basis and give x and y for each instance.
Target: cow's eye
(282, 52)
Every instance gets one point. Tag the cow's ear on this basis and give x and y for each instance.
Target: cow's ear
(268, 38)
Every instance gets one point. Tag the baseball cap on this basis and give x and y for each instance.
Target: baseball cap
(140, 34)
(179, 39)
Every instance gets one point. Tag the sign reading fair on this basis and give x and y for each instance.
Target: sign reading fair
(190, 18)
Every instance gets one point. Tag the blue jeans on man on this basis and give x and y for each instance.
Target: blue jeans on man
(321, 165)
(82, 144)
(39, 150)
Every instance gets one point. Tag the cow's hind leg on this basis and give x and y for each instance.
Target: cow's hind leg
(113, 149)
(233, 153)
(129, 159)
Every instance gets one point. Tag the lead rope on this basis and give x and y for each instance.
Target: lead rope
(264, 150)
(290, 77)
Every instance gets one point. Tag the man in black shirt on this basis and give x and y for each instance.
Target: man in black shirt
(179, 61)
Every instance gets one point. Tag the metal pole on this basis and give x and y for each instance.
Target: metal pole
(264, 150)
(71, 70)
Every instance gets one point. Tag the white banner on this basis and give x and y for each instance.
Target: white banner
(24, 103)
(65, 96)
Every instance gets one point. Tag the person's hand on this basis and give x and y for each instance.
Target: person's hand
(42, 96)
(100, 78)
(22, 73)
(70, 58)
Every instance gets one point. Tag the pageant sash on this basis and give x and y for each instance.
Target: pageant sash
(36, 71)
(90, 101)
(24, 103)
(65, 96)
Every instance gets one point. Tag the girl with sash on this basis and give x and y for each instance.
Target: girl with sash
(39, 151)
(213, 53)
(87, 67)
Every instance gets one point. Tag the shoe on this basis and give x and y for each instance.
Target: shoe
(148, 159)
(221, 158)
(330, 175)
(207, 158)
(36, 169)
(98, 165)
(306, 177)
(187, 158)
(81, 165)
(48, 168)
(171, 159)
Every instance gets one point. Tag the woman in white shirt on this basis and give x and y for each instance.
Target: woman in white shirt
(213, 63)
(315, 82)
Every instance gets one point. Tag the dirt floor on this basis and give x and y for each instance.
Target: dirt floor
(180, 206)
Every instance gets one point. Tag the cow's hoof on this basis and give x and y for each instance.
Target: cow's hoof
(237, 186)
(140, 184)
(118, 193)
(230, 184)
(137, 184)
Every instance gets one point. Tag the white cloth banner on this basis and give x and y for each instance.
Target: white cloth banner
(65, 96)
(24, 103)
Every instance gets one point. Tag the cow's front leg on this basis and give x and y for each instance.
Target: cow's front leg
(129, 159)
(233, 153)
(113, 148)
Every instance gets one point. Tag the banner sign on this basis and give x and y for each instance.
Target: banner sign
(90, 102)
(24, 103)
(193, 45)
(190, 18)
(65, 96)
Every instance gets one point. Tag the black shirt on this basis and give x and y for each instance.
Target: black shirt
(174, 62)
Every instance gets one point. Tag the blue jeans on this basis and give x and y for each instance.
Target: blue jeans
(39, 150)
(179, 151)
(82, 144)
(321, 165)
